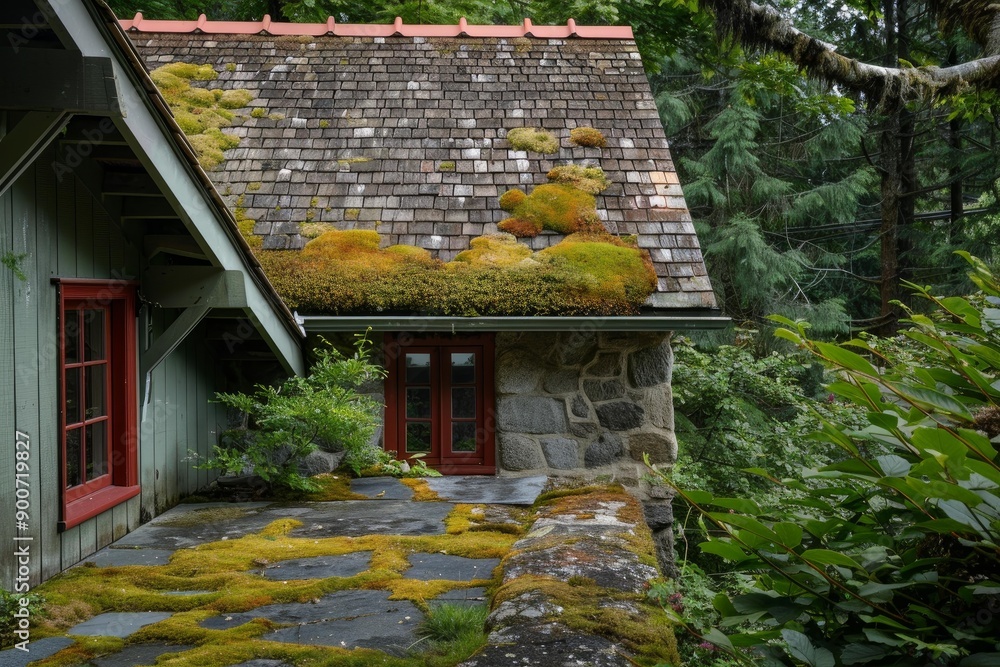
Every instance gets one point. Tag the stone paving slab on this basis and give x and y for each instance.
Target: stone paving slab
(120, 624)
(194, 524)
(115, 557)
(347, 618)
(390, 488)
(545, 646)
(137, 654)
(353, 618)
(366, 517)
(319, 567)
(488, 490)
(37, 650)
(451, 568)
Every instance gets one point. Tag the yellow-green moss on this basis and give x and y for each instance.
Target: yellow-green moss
(323, 124)
(533, 139)
(201, 113)
(253, 187)
(497, 250)
(230, 67)
(352, 213)
(560, 208)
(410, 252)
(235, 99)
(422, 492)
(341, 274)
(190, 71)
(447, 165)
(589, 179)
(511, 199)
(258, 112)
(587, 136)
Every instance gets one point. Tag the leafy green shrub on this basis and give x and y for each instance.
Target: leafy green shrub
(10, 604)
(284, 424)
(889, 556)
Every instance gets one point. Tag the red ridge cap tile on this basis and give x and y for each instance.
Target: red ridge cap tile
(396, 29)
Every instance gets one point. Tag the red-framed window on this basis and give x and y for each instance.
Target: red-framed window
(439, 401)
(97, 397)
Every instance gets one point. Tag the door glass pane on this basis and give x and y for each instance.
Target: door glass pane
(463, 402)
(93, 334)
(71, 336)
(463, 367)
(418, 368)
(96, 457)
(73, 457)
(95, 382)
(73, 413)
(418, 402)
(418, 437)
(463, 436)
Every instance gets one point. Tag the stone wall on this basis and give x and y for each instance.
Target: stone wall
(584, 404)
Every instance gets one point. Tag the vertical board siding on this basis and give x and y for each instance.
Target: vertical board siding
(26, 415)
(66, 234)
(46, 223)
(7, 425)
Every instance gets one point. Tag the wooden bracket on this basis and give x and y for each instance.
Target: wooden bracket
(25, 141)
(57, 80)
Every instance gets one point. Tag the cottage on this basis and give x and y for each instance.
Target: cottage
(497, 203)
(127, 295)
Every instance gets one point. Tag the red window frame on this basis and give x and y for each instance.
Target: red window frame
(116, 300)
(440, 347)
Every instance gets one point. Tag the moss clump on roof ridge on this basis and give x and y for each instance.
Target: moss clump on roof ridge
(533, 140)
(345, 272)
(201, 112)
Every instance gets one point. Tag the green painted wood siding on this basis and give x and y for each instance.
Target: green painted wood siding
(63, 231)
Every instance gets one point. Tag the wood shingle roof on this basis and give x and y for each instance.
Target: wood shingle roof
(402, 130)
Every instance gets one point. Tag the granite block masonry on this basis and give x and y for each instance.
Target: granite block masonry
(584, 403)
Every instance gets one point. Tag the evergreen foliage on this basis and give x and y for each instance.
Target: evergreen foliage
(890, 554)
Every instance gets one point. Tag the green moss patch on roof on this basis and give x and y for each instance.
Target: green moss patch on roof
(533, 139)
(201, 112)
(346, 272)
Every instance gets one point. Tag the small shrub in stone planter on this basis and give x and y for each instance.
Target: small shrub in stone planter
(282, 425)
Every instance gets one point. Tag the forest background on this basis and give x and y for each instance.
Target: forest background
(830, 153)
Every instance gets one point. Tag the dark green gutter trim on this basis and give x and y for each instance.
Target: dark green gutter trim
(679, 321)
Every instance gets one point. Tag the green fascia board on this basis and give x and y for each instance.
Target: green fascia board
(679, 321)
(150, 138)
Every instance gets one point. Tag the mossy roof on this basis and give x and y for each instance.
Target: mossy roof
(405, 135)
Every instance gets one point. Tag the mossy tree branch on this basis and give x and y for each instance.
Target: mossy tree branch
(758, 26)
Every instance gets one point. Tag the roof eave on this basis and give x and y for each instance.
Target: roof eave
(680, 320)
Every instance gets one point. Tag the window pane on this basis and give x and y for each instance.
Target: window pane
(71, 336)
(418, 369)
(463, 436)
(418, 402)
(94, 380)
(96, 453)
(463, 368)
(73, 412)
(418, 437)
(73, 457)
(463, 402)
(93, 334)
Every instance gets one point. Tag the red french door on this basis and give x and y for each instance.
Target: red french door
(439, 398)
